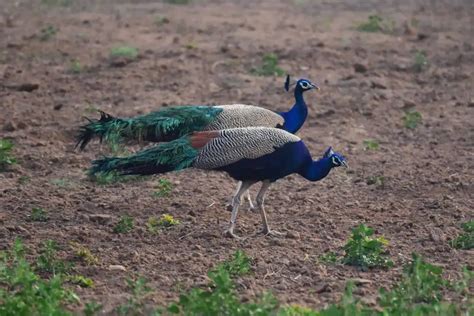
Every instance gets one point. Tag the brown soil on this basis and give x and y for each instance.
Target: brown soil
(203, 56)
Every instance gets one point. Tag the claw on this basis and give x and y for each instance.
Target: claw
(231, 234)
(274, 233)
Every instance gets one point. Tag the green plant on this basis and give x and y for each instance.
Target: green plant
(6, 158)
(136, 303)
(163, 188)
(47, 33)
(412, 119)
(328, 258)
(161, 20)
(75, 66)
(378, 181)
(364, 251)
(59, 3)
(421, 62)
(48, 261)
(92, 308)
(466, 239)
(23, 292)
(375, 23)
(421, 283)
(269, 66)
(124, 225)
(38, 215)
(84, 254)
(179, 1)
(154, 224)
(81, 280)
(238, 265)
(371, 144)
(124, 52)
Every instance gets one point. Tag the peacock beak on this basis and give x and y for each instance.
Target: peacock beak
(345, 164)
(315, 86)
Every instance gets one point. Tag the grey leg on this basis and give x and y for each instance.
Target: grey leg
(243, 186)
(260, 200)
(249, 198)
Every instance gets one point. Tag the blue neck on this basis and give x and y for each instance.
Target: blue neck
(317, 170)
(295, 117)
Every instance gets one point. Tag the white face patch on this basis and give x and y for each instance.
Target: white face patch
(304, 84)
(336, 161)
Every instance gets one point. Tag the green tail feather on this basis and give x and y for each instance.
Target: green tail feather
(175, 155)
(165, 125)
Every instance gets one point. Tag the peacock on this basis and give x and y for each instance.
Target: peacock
(249, 155)
(171, 123)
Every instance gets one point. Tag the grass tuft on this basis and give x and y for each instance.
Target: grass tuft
(124, 225)
(269, 66)
(466, 239)
(6, 157)
(163, 188)
(124, 52)
(38, 215)
(412, 119)
(375, 24)
(371, 144)
(420, 62)
(85, 254)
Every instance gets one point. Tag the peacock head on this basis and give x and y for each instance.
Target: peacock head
(300, 85)
(337, 160)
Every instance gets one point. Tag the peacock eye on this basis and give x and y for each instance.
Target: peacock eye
(304, 84)
(336, 161)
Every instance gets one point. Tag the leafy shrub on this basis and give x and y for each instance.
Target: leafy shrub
(154, 224)
(466, 239)
(48, 261)
(269, 66)
(136, 303)
(84, 254)
(124, 225)
(412, 119)
(6, 158)
(23, 292)
(364, 251)
(163, 188)
(38, 215)
(124, 52)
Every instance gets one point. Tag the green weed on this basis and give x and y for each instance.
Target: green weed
(48, 261)
(38, 215)
(75, 67)
(466, 239)
(6, 157)
(124, 225)
(136, 303)
(420, 62)
(269, 66)
(179, 1)
(238, 265)
(154, 224)
(57, 3)
(412, 119)
(127, 52)
(328, 258)
(47, 33)
(23, 292)
(23, 180)
(364, 251)
(84, 254)
(81, 280)
(378, 181)
(163, 188)
(161, 20)
(375, 23)
(371, 144)
(92, 308)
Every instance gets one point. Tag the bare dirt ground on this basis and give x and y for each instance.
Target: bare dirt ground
(203, 55)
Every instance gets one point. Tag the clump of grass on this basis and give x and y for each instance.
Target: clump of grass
(364, 251)
(412, 119)
(84, 253)
(329, 258)
(420, 62)
(163, 188)
(238, 265)
(48, 261)
(124, 225)
(92, 308)
(75, 66)
(23, 292)
(47, 33)
(57, 3)
(136, 303)
(81, 280)
(6, 157)
(466, 239)
(371, 144)
(38, 215)
(269, 66)
(377, 180)
(127, 52)
(375, 24)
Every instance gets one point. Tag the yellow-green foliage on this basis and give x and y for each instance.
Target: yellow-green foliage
(84, 254)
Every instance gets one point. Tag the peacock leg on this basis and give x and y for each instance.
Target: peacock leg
(260, 199)
(243, 186)
(249, 198)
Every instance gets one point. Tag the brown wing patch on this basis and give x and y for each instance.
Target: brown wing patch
(200, 139)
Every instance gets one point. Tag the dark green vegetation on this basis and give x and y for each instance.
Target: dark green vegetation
(371, 144)
(47, 33)
(38, 215)
(6, 157)
(24, 292)
(421, 62)
(362, 250)
(163, 188)
(124, 52)
(466, 239)
(269, 66)
(124, 225)
(412, 119)
(376, 23)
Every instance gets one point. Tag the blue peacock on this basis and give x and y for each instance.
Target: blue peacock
(249, 155)
(174, 122)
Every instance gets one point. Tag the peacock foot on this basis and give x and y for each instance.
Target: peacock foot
(229, 233)
(274, 233)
